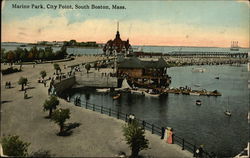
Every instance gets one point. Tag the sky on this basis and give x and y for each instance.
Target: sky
(212, 23)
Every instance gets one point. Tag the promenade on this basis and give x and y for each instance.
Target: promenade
(96, 136)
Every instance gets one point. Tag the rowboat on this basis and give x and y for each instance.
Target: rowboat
(228, 113)
(198, 102)
(194, 93)
(150, 93)
(117, 96)
(103, 90)
(139, 92)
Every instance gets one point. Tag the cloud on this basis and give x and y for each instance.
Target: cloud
(157, 32)
(244, 1)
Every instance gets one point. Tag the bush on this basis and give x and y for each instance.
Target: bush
(13, 146)
(10, 70)
(135, 138)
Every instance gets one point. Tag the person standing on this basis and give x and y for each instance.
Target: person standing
(170, 136)
(201, 151)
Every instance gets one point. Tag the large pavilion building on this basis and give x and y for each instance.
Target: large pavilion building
(141, 73)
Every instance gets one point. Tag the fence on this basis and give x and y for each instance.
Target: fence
(154, 129)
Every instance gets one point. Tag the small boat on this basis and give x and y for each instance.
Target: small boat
(194, 93)
(103, 90)
(198, 102)
(198, 70)
(150, 93)
(197, 85)
(228, 113)
(117, 96)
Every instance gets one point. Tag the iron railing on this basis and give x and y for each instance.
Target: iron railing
(153, 128)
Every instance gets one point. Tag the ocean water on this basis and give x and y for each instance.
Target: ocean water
(162, 49)
(206, 124)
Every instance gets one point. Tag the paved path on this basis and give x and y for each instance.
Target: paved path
(98, 135)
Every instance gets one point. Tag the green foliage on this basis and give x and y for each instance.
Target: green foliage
(43, 73)
(57, 68)
(32, 54)
(22, 81)
(50, 104)
(60, 116)
(135, 137)
(10, 56)
(13, 146)
(10, 70)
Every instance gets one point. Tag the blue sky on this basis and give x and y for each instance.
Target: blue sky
(221, 20)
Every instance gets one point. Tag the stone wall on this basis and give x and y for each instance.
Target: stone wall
(64, 84)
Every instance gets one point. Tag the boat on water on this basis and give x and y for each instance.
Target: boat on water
(198, 102)
(117, 96)
(197, 85)
(234, 46)
(194, 93)
(151, 93)
(125, 86)
(137, 91)
(103, 90)
(198, 70)
(228, 113)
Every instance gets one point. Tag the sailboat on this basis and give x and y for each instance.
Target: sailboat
(227, 112)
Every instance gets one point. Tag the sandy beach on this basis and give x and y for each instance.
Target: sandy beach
(97, 135)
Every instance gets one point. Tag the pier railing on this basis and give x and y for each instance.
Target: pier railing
(153, 128)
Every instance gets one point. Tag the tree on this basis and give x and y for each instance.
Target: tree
(43, 74)
(57, 68)
(72, 42)
(60, 116)
(33, 53)
(48, 53)
(87, 67)
(10, 57)
(50, 104)
(13, 146)
(41, 54)
(135, 137)
(22, 81)
(3, 56)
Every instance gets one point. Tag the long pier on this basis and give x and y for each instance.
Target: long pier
(207, 54)
(193, 54)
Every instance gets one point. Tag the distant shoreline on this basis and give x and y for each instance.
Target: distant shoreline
(3, 43)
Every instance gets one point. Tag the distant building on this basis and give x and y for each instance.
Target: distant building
(117, 45)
